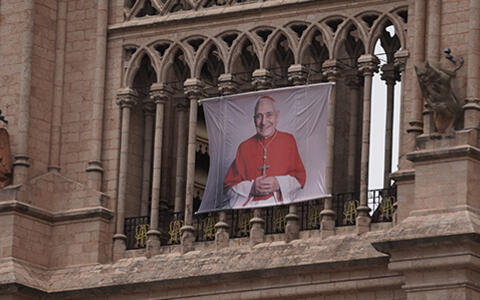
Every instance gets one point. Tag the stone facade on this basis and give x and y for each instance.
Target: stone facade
(105, 130)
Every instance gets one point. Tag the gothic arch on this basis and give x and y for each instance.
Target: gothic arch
(135, 63)
(377, 28)
(227, 47)
(156, 48)
(168, 61)
(202, 55)
(306, 41)
(342, 32)
(261, 41)
(270, 47)
(236, 49)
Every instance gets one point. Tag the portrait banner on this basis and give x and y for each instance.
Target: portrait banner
(266, 147)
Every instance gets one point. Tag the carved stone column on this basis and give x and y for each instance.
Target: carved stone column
(95, 167)
(194, 91)
(330, 70)
(21, 162)
(403, 179)
(261, 79)
(180, 166)
(160, 94)
(126, 99)
(297, 76)
(353, 82)
(400, 62)
(390, 76)
(368, 64)
(226, 86)
(149, 113)
(472, 103)
(59, 76)
(472, 113)
(415, 125)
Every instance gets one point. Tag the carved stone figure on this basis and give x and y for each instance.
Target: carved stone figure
(436, 86)
(5, 159)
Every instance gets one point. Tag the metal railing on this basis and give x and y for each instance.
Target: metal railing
(275, 220)
(380, 201)
(136, 229)
(310, 217)
(240, 223)
(345, 205)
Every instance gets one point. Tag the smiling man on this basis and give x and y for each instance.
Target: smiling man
(267, 169)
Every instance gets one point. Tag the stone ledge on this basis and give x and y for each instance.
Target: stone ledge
(74, 214)
(403, 175)
(314, 260)
(444, 153)
(456, 226)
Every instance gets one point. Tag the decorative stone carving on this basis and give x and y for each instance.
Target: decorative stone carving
(5, 159)
(436, 87)
(297, 74)
(227, 84)
(262, 79)
(126, 98)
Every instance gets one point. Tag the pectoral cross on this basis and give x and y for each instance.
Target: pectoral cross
(264, 167)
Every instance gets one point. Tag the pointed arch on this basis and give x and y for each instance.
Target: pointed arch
(169, 60)
(261, 40)
(342, 32)
(306, 41)
(236, 50)
(203, 52)
(270, 47)
(378, 27)
(227, 44)
(135, 63)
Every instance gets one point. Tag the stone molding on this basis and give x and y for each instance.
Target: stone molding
(444, 153)
(67, 215)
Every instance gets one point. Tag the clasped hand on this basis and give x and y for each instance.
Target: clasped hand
(264, 185)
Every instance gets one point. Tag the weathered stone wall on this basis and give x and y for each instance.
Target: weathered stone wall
(78, 86)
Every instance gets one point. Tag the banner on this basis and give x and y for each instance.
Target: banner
(266, 148)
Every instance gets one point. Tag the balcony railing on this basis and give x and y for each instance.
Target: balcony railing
(136, 229)
(381, 203)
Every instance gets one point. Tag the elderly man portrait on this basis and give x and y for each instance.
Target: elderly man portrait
(267, 168)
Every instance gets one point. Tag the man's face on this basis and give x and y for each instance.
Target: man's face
(266, 118)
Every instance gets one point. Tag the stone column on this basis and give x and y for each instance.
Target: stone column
(180, 166)
(194, 91)
(55, 133)
(353, 82)
(226, 86)
(330, 70)
(415, 126)
(402, 180)
(472, 102)
(160, 94)
(126, 99)
(390, 76)
(149, 113)
(21, 159)
(297, 75)
(432, 54)
(368, 64)
(95, 168)
(261, 79)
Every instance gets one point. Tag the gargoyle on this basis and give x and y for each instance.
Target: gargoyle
(5, 159)
(437, 90)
